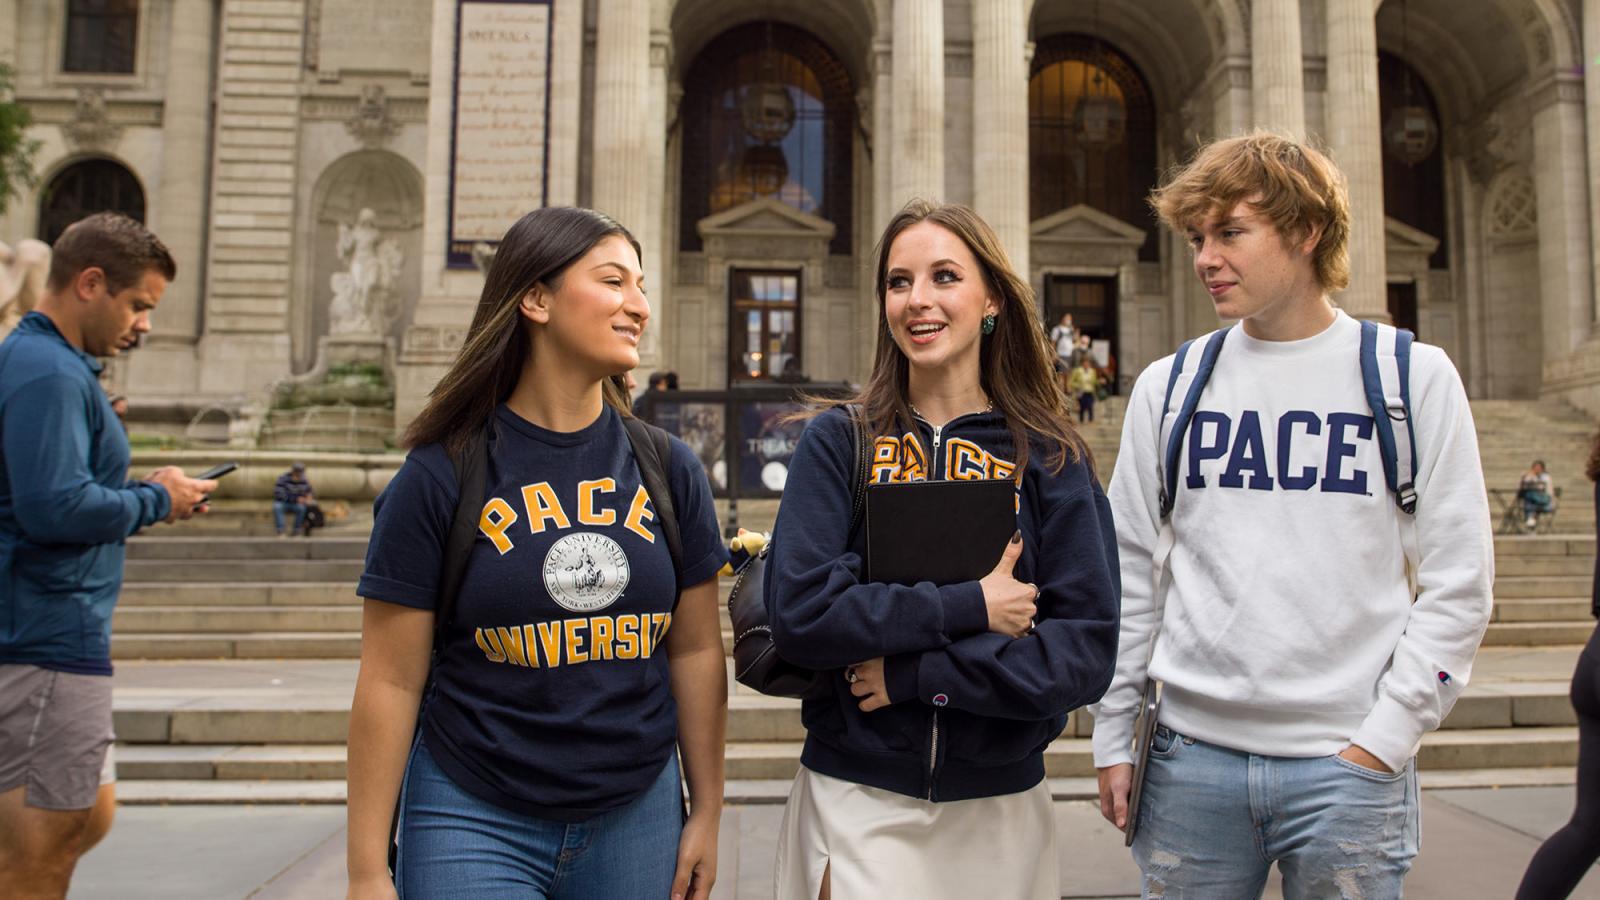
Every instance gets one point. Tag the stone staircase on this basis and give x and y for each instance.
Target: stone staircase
(243, 686)
(237, 655)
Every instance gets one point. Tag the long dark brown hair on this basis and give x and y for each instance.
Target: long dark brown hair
(1015, 363)
(536, 250)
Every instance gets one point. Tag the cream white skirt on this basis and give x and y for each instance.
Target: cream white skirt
(885, 846)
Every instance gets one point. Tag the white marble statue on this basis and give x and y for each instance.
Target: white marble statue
(364, 302)
(22, 280)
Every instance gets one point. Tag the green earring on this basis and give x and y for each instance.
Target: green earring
(988, 324)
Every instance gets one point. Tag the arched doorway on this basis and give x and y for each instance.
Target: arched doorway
(768, 114)
(84, 188)
(1092, 162)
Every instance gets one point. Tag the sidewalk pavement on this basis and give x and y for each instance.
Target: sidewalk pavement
(1476, 844)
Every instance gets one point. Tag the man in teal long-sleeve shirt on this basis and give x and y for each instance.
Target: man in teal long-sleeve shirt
(66, 508)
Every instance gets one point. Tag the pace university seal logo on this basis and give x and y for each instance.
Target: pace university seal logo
(585, 572)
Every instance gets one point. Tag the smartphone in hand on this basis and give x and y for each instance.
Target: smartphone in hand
(216, 471)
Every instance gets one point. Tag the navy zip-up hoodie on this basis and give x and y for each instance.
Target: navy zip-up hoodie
(971, 711)
(66, 505)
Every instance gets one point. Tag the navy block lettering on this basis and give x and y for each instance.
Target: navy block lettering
(1199, 450)
(1306, 478)
(1340, 448)
(1249, 455)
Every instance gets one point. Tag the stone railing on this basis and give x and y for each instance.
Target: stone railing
(355, 478)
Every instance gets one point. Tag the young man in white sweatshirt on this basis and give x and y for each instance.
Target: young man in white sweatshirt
(1301, 668)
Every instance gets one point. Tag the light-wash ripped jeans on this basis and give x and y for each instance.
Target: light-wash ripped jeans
(1213, 821)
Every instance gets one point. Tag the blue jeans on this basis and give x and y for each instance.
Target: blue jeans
(453, 844)
(1213, 820)
(278, 508)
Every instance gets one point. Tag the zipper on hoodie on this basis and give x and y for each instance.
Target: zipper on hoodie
(934, 475)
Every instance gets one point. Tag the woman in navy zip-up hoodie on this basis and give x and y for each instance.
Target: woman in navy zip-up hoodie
(950, 692)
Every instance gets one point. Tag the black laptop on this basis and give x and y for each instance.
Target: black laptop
(945, 532)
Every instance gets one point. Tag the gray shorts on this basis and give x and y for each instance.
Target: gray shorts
(55, 736)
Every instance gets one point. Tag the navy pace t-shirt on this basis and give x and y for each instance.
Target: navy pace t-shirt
(550, 694)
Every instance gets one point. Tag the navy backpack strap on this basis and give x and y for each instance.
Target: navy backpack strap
(1189, 375)
(1386, 380)
(652, 449)
(472, 476)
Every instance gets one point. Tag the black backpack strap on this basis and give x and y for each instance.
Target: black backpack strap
(652, 449)
(472, 477)
(863, 461)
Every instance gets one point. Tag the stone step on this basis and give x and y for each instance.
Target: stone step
(1538, 634)
(238, 593)
(1566, 610)
(212, 569)
(234, 547)
(150, 720)
(210, 619)
(286, 645)
(1564, 544)
(760, 792)
(1516, 586)
(190, 762)
(1517, 566)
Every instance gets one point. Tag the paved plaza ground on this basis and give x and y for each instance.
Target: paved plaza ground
(1475, 844)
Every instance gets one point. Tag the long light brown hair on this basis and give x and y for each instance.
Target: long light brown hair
(536, 250)
(1015, 363)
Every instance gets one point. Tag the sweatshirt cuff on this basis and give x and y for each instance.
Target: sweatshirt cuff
(965, 613)
(900, 676)
(157, 505)
(1391, 733)
(1113, 737)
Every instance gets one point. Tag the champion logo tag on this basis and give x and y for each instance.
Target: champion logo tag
(941, 700)
(1444, 677)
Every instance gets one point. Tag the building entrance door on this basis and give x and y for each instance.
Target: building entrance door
(1093, 304)
(1403, 306)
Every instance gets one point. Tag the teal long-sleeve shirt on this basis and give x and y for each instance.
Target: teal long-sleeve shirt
(66, 506)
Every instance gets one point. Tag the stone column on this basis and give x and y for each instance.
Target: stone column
(621, 111)
(918, 140)
(1561, 184)
(566, 92)
(8, 32)
(1000, 123)
(1278, 96)
(185, 144)
(1355, 141)
(1591, 93)
(652, 231)
(883, 205)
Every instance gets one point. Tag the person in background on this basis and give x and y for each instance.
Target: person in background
(1536, 489)
(1568, 855)
(1064, 338)
(292, 495)
(66, 510)
(1084, 384)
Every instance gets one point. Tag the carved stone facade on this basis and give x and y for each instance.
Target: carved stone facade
(253, 127)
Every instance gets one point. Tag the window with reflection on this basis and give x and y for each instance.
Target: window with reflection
(101, 36)
(85, 188)
(769, 112)
(1091, 134)
(1413, 161)
(764, 326)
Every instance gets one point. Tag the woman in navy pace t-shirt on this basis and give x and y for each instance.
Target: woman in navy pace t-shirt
(577, 662)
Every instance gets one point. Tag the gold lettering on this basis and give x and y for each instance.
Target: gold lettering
(574, 639)
(600, 637)
(542, 505)
(550, 640)
(637, 513)
(495, 528)
(511, 640)
(627, 637)
(494, 654)
(586, 492)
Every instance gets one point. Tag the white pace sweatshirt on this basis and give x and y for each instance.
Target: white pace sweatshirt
(1288, 626)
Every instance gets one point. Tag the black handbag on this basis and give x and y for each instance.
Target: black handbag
(756, 663)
